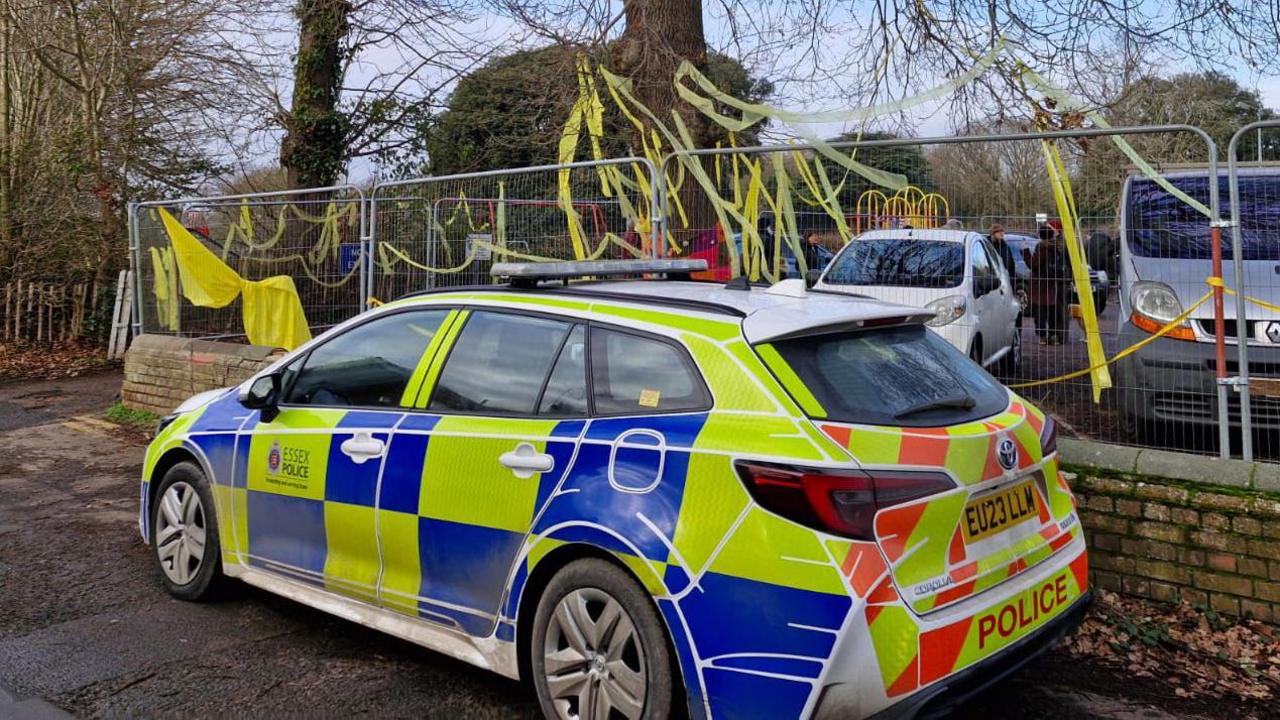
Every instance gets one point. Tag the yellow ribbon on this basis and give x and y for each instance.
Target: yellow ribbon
(270, 309)
(1065, 200)
(1179, 320)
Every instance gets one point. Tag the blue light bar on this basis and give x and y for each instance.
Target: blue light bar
(593, 268)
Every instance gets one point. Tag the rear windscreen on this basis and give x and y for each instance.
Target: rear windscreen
(905, 375)
(1160, 225)
(901, 262)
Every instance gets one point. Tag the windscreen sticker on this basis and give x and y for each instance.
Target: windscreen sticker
(650, 398)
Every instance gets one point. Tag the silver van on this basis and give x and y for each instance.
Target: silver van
(1165, 258)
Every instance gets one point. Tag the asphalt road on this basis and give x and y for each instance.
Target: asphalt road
(86, 625)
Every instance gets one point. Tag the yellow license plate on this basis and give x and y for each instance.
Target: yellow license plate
(999, 511)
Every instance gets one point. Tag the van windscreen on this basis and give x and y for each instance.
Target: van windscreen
(1160, 225)
(900, 376)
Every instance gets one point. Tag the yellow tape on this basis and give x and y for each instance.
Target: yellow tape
(1058, 180)
(1066, 101)
(1217, 282)
(1127, 351)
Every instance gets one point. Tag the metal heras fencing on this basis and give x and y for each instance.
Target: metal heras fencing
(449, 230)
(1124, 220)
(1252, 278)
(1071, 340)
(345, 249)
(315, 236)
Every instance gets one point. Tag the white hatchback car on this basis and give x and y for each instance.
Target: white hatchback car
(954, 273)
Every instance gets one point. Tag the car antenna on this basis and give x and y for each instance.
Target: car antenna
(739, 283)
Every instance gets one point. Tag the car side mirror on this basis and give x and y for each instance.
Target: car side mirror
(985, 284)
(811, 277)
(263, 394)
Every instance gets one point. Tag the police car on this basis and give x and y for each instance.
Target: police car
(641, 495)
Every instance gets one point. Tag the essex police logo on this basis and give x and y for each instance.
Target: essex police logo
(1007, 454)
(273, 458)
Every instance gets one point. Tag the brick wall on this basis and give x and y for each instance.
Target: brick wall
(161, 371)
(1210, 535)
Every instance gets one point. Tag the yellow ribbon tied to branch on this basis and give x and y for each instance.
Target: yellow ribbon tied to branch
(271, 309)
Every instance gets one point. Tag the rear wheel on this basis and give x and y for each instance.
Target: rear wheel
(599, 649)
(184, 534)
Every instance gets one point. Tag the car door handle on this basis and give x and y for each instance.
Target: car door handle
(525, 460)
(361, 447)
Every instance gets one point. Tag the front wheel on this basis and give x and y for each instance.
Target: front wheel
(1013, 359)
(599, 648)
(184, 535)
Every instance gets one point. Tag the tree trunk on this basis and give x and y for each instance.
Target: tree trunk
(315, 129)
(6, 143)
(658, 36)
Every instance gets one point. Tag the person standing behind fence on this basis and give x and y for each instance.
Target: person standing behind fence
(996, 236)
(1047, 294)
(815, 255)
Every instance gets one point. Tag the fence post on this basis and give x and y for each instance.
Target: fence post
(113, 340)
(371, 246)
(1219, 316)
(41, 292)
(135, 263)
(366, 252)
(1237, 260)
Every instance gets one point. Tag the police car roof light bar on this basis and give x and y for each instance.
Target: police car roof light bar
(530, 273)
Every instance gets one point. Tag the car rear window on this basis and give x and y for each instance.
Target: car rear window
(899, 262)
(902, 376)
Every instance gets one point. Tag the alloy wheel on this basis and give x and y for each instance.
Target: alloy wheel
(594, 660)
(180, 533)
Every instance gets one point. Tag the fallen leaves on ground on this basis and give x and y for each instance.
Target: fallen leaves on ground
(24, 361)
(1197, 651)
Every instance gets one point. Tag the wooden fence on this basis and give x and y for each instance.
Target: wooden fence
(47, 313)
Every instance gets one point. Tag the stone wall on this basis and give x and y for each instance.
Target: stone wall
(160, 371)
(1171, 526)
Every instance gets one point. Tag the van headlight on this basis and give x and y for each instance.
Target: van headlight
(1155, 305)
(1155, 301)
(946, 310)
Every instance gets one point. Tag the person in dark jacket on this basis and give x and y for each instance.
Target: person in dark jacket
(996, 236)
(1101, 253)
(1048, 294)
(815, 256)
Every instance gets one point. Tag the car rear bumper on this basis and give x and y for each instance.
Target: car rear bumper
(1174, 381)
(950, 663)
(942, 699)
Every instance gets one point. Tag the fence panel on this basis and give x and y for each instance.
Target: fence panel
(1253, 267)
(314, 236)
(449, 230)
(36, 311)
(1116, 199)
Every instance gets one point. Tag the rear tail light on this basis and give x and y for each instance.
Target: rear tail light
(838, 501)
(1048, 437)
